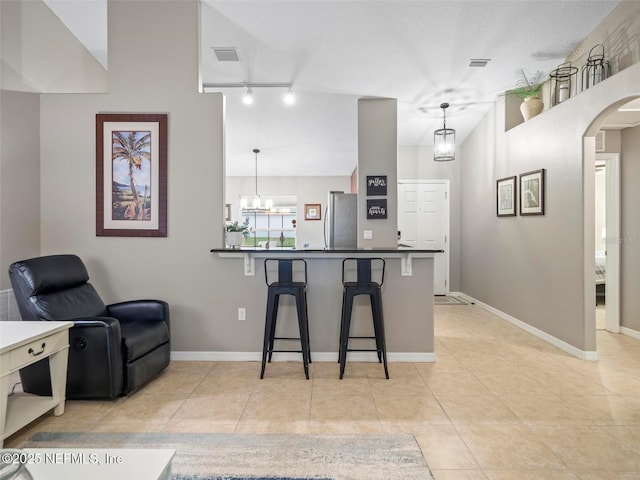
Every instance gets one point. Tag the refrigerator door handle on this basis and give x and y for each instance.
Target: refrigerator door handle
(324, 230)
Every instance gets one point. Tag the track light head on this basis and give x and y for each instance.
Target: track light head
(289, 97)
(248, 97)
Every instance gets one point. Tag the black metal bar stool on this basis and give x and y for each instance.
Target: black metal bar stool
(363, 285)
(285, 285)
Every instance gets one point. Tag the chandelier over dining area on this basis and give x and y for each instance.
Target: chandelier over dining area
(256, 203)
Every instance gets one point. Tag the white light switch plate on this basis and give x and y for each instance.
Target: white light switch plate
(368, 235)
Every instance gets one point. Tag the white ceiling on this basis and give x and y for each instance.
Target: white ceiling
(627, 116)
(335, 52)
(87, 20)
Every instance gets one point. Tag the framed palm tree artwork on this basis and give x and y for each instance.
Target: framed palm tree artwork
(131, 175)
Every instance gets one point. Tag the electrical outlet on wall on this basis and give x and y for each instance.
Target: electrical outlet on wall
(242, 313)
(368, 235)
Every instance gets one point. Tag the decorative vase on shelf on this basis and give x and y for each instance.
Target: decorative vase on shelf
(234, 239)
(531, 107)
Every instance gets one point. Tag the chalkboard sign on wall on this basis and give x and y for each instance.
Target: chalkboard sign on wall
(376, 185)
(377, 209)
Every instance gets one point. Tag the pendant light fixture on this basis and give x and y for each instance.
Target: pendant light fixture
(256, 198)
(253, 203)
(444, 140)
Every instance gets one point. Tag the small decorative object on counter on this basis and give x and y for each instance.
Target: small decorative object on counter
(235, 233)
(596, 69)
(562, 83)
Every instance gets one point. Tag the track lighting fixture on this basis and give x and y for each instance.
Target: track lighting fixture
(248, 97)
(289, 97)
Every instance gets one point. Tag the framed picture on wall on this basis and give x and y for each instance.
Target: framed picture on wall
(131, 175)
(506, 196)
(312, 211)
(532, 192)
(377, 209)
(376, 185)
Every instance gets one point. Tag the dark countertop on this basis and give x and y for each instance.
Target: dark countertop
(399, 249)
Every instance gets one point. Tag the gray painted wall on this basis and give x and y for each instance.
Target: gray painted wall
(19, 179)
(204, 290)
(540, 269)
(527, 267)
(612, 141)
(630, 229)
(178, 268)
(416, 163)
(378, 155)
(39, 54)
(535, 268)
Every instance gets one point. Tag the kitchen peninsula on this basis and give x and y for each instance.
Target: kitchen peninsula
(407, 298)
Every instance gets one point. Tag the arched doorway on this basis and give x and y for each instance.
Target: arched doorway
(612, 239)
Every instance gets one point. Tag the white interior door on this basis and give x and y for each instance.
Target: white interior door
(423, 221)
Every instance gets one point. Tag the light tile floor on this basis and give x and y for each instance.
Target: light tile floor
(498, 404)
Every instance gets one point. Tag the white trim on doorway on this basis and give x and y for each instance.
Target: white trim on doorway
(612, 285)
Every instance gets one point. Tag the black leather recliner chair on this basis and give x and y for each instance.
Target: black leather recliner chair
(113, 349)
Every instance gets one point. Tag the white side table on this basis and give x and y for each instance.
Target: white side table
(24, 343)
(99, 464)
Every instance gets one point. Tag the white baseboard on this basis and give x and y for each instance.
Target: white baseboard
(295, 357)
(464, 296)
(631, 332)
(556, 342)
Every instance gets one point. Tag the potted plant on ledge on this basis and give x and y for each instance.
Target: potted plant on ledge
(529, 88)
(235, 233)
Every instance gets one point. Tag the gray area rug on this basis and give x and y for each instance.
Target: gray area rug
(335, 457)
(198, 477)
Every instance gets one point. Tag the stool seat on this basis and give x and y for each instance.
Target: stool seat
(288, 285)
(363, 285)
(285, 285)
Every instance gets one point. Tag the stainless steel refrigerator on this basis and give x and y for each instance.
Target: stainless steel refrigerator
(341, 220)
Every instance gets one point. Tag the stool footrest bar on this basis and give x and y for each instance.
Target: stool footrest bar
(284, 351)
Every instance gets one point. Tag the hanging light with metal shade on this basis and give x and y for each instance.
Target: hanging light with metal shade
(444, 140)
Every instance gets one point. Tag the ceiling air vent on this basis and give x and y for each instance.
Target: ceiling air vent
(226, 54)
(479, 62)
